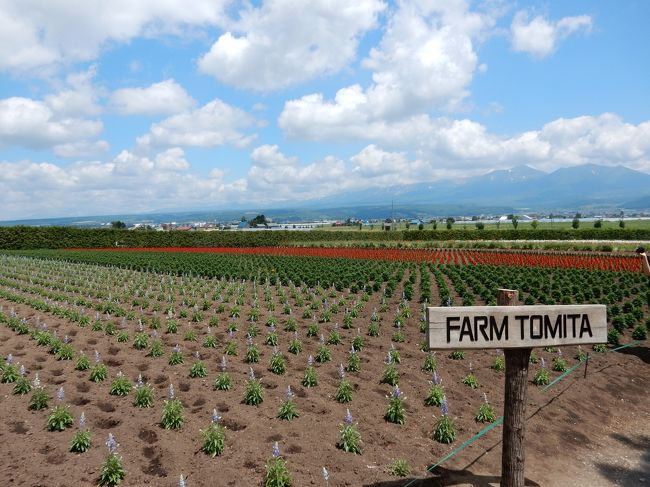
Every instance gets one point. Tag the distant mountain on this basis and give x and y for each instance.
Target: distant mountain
(588, 185)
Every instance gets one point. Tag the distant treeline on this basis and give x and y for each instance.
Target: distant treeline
(23, 237)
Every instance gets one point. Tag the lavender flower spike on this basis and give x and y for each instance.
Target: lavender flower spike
(215, 416)
(397, 393)
(444, 407)
(111, 444)
(251, 374)
(310, 361)
(60, 395)
(326, 475)
(436, 378)
(36, 382)
(22, 371)
(275, 451)
(543, 363)
(98, 357)
(82, 420)
(170, 392)
(10, 359)
(341, 371)
(348, 418)
(224, 363)
(140, 382)
(181, 482)
(290, 393)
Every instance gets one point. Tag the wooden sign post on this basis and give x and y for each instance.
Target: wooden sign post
(515, 329)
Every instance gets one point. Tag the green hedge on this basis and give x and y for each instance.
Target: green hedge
(23, 237)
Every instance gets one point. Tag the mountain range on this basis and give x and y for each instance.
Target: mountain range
(517, 190)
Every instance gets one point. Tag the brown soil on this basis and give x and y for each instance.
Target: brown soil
(592, 431)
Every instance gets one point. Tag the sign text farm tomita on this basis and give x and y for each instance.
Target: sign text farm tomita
(516, 326)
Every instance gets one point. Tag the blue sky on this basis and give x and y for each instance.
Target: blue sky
(120, 106)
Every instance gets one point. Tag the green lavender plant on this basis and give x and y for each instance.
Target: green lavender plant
(559, 363)
(399, 468)
(277, 474)
(112, 472)
(198, 369)
(141, 341)
(580, 354)
(40, 398)
(214, 437)
(123, 336)
(295, 346)
(172, 416)
(65, 352)
(354, 361)
(599, 348)
(210, 342)
(80, 442)
(120, 386)
(190, 335)
(156, 348)
(499, 363)
(60, 418)
(144, 394)
(288, 409)
(445, 430)
(176, 357)
(395, 412)
(541, 377)
(373, 329)
(278, 364)
(253, 394)
(436, 393)
(358, 343)
(310, 378)
(390, 376)
(323, 354)
(223, 382)
(349, 437)
(22, 385)
(486, 412)
(430, 364)
(344, 390)
(252, 352)
(470, 379)
(98, 372)
(457, 355)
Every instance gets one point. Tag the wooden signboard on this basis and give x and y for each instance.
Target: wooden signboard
(478, 327)
(516, 329)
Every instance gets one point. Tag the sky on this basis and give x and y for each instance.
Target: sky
(122, 106)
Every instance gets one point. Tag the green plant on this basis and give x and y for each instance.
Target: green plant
(144, 394)
(253, 395)
(176, 357)
(277, 474)
(541, 377)
(59, 419)
(9, 374)
(288, 409)
(210, 341)
(445, 430)
(430, 364)
(344, 391)
(396, 411)
(40, 398)
(310, 379)
(272, 338)
(499, 363)
(485, 413)
(65, 352)
(470, 380)
(190, 335)
(98, 372)
(599, 348)
(156, 348)
(295, 346)
(354, 361)
(141, 341)
(230, 348)
(121, 386)
(278, 364)
(123, 336)
(580, 354)
(198, 369)
(214, 437)
(358, 343)
(436, 393)
(323, 354)
(373, 329)
(22, 386)
(172, 416)
(640, 333)
(399, 468)
(80, 442)
(112, 472)
(172, 326)
(223, 382)
(391, 376)
(349, 437)
(457, 355)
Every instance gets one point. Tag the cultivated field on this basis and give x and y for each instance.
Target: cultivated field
(200, 322)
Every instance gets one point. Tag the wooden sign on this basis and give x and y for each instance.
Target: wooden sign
(472, 327)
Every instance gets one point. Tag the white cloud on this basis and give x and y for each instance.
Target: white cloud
(540, 37)
(426, 59)
(285, 42)
(215, 123)
(78, 97)
(164, 98)
(31, 123)
(37, 34)
(83, 149)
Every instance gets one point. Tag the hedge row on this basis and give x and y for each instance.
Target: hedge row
(22, 237)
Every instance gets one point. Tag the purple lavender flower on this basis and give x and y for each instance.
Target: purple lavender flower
(275, 451)
(310, 361)
(98, 357)
(140, 382)
(289, 393)
(111, 444)
(272, 328)
(181, 482)
(249, 340)
(215, 416)
(352, 350)
(470, 367)
(485, 398)
(176, 349)
(436, 379)
(397, 393)
(10, 359)
(197, 355)
(231, 334)
(348, 418)
(36, 382)
(389, 359)
(60, 395)
(559, 353)
(66, 339)
(326, 475)
(154, 334)
(251, 374)
(224, 363)
(322, 339)
(82, 420)
(543, 363)
(444, 407)
(170, 392)
(22, 371)
(341, 371)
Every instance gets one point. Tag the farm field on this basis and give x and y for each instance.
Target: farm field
(171, 316)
